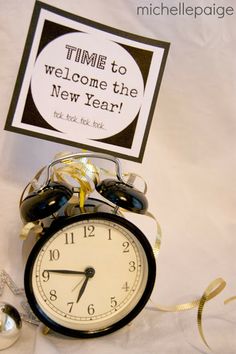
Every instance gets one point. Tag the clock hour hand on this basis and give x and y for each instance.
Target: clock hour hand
(89, 273)
(83, 287)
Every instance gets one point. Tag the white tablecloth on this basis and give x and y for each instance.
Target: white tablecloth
(189, 166)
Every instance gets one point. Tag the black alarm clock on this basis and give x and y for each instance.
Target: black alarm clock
(92, 271)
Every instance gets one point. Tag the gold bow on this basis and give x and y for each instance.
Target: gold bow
(80, 171)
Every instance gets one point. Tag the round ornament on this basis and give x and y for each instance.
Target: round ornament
(10, 325)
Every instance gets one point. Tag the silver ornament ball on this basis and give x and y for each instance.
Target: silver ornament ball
(10, 325)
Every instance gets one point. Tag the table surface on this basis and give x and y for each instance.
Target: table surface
(189, 166)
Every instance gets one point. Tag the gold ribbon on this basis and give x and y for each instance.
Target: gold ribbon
(213, 289)
(79, 170)
(31, 184)
(157, 243)
(230, 299)
(36, 228)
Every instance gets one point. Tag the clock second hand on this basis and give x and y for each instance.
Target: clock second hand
(67, 271)
(89, 273)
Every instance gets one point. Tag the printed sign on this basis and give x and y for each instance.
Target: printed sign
(87, 85)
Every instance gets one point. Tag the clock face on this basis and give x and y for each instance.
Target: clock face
(90, 276)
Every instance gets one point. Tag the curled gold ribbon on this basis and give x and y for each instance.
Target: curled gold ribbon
(36, 228)
(131, 177)
(81, 171)
(31, 184)
(158, 235)
(213, 289)
(230, 299)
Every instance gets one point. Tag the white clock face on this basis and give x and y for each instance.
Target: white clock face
(90, 274)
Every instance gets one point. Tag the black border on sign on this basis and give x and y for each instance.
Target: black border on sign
(23, 65)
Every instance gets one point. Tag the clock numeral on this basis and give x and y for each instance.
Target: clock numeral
(113, 302)
(126, 287)
(45, 275)
(109, 235)
(89, 231)
(54, 255)
(132, 267)
(91, 310)
(53, 295)
(126, 246)
(70, 304)
(69, 238)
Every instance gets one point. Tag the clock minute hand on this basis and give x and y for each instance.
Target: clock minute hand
(64, 271)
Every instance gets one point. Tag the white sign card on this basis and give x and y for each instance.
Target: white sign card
(84, 84)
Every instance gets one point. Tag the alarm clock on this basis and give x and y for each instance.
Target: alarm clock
(92, 271)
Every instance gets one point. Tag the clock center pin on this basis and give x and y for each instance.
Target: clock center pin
(89, 272)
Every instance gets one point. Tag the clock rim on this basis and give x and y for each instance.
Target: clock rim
(56, 226)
